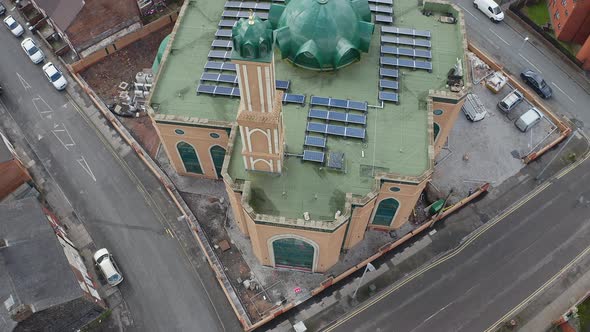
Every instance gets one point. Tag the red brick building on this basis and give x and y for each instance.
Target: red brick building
(571, 21)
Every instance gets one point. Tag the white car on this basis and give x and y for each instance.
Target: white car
(108, 267)
(14, 27)
(55, 76)
(32, 50)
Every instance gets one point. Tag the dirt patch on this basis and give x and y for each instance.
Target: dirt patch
(212, 215)
(104, 78)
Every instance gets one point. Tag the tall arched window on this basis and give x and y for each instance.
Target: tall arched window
(189, 158)
(385, 212)
(436, 130)
(217, 155)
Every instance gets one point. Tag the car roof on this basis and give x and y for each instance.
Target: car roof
(9, 19)
(51, 69)
(100, 252)
(531, 115)
(28, 42)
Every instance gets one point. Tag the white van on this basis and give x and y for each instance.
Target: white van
(490, 8)
(528, 119)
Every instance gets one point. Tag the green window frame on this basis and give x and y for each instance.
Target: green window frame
(293, 253)
(386, 211)
(217, 156)
(189, 157)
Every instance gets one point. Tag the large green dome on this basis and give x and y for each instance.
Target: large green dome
(322, 34)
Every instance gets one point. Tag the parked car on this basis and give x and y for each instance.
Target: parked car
(2, 9)
(14, 27)
(33, 51)
(104, 260)
(536, 81)
(528, 119)
(510, 101)
(490, 8)
(55, 76)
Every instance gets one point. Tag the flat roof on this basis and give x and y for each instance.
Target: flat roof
(397, 137)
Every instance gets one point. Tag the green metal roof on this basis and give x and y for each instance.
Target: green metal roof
(322, 34)
(252, 40)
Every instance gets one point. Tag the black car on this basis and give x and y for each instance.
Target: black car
(536, 81)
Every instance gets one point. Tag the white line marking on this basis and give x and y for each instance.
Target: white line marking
(25, 84)
(55, 131)
(83, 162)
(558, 88)
(59, 139)
(497, 35)
(530, 63)
(40, 104)
(465, 9)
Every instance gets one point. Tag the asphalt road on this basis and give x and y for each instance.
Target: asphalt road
(471, 290)
(505, 41)
(161, 287)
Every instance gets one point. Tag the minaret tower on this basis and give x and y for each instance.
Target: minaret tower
(260, 111)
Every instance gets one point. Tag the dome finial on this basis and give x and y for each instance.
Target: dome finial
(251, 17)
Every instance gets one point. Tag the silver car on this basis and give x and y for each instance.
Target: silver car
(104, 260)
(54, 76)
(33, 51)
(14, 27)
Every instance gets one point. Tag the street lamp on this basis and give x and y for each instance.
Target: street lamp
(524, 42)
(369, 268)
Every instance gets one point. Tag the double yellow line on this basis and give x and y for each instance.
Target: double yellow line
(462, 247)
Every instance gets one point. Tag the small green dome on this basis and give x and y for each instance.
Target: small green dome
(322, 34)
(252, 40)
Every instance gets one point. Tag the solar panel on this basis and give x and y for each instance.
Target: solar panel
(227, 23)
(388, 96)
(316, 127)
(218, 90)
(355, 132)
(336, 160)
(383, 19)
(338, 103)
(337, 116)
(283, 85)
(316, 156)
(405, 63)
(233, 79)
(384, 72)
(318, 114)
(335, 130)
(242, 14)
(224, 55)
(221, 43)
(388, 84)
(223, 33)
(388, 61)
(356, 118)
(405, 31)
(405, 51)
(320, 101)
(213, 65)
(293, 98)
(247, 5)
(405, 41)
(316, 141)
(423, 65)
(384, 2)
(381, 9)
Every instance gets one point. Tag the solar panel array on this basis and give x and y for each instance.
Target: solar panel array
(415, 54)
(219, 78)
(383, 10)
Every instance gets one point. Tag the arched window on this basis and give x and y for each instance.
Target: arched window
(293, 253)
(436, 130)
(189, 157)
(217, 155)
(385, 212)
(248, 51)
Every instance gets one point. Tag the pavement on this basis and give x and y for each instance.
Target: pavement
(108, 191)
(505, 42)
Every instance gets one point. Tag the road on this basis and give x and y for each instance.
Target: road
(505, 41)
(471, 289)
(116, 199)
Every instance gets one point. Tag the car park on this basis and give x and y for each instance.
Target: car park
(490, 8)
(55, 76)
(32, 50)
(105, 262)
(510, 101)
(14, 27)
(536, 81)
(529, 119)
